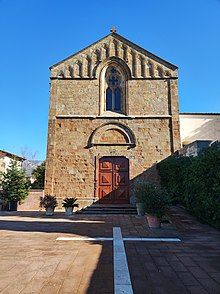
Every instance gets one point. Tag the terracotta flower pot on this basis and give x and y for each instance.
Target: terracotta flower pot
(153, 221)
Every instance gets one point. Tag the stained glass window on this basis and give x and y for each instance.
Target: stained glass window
(108, 99)
(117, 99)
(114, 90)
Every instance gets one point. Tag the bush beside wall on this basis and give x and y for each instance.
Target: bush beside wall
(195, 183)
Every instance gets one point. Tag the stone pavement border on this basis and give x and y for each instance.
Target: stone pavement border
(157, 239)
(122, 280)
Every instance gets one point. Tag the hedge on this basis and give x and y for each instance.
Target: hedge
(195, 183)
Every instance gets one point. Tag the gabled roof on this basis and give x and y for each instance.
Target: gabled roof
(200, 113)
(11, 155)
(123, 40)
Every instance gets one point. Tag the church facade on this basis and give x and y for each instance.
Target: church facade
(113, 115)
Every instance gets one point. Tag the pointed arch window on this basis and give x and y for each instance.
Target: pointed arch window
(114, 89)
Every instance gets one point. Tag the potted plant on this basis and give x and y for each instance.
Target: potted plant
(156, 204)
(139, 194)
(48, 202)
(69, 204)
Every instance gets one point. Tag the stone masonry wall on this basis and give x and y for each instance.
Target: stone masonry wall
(73, 165)
(144, 97)
(76, 111)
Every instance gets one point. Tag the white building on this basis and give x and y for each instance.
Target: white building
(6, 158)
(199, 126)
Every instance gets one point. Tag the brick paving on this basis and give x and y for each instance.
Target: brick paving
(192, 266)
(32, 261)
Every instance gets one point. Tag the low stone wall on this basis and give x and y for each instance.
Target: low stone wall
(194, 148)
(32, 201)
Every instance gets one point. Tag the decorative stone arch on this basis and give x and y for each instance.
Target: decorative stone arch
(121, 134)
(110, 60)
(125, 75)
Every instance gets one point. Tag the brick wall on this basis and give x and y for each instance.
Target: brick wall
(32, 201)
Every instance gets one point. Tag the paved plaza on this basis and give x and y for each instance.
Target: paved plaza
(34, 260)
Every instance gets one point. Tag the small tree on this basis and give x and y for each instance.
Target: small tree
(39, 175)
(14, 184)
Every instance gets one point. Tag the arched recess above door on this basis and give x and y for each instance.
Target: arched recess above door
(112, 134)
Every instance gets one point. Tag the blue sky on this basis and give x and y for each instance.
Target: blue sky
(35, 34)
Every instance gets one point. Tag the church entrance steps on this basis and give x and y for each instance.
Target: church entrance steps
(109, 209)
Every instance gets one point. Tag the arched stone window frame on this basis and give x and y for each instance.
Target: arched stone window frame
(94, 139)
(125, 73)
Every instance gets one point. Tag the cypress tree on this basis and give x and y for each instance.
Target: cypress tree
(14, 184)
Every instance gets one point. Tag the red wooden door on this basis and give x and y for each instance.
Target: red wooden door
(113, 180)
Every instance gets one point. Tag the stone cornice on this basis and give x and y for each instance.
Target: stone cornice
(132, 78)
(157, 116)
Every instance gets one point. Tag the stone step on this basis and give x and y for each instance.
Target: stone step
(109, 209)
(113, 205)
(112, 208)
(106, 212)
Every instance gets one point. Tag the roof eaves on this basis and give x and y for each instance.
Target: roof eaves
(12, 155)
(199, 113)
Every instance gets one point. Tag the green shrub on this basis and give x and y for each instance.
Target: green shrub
(195, 183)
(154, 199)
(173, 172)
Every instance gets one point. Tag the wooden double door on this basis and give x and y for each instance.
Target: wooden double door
(113, 180)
